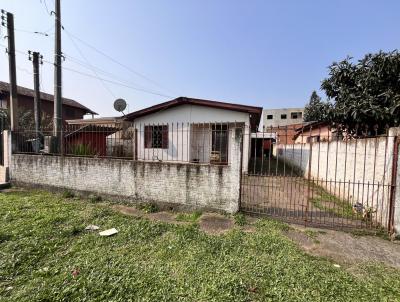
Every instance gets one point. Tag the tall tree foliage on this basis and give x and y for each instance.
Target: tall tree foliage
(365, 95)
(26, 120)
(316, 110)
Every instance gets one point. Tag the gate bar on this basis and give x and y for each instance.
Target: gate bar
(393, 184)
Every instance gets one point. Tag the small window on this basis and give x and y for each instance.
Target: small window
(3, 103)
(313, 139)
(270, 117)
(156, 137)
(283, 116)
(296, 115)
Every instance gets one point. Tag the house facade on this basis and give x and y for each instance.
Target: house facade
(71, 108)
(192, 130)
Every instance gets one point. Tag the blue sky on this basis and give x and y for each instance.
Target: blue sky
(257, 52)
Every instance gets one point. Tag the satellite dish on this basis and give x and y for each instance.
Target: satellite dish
(120, 105)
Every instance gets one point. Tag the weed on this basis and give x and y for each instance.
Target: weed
(189, 217)
(327, 202)
(68, 194)
(82, 150)
(150, 261)
(94, 198)
(147, 207)
(240, 219)
(312, 235)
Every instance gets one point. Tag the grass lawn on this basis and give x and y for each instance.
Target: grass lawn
(46, 255)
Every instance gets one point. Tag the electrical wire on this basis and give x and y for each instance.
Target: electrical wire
(101, 71)
(91, 76)
(117, 62)
(110, 81)
(45, 6)
(91, 67)
(24, 70)
(42, 33)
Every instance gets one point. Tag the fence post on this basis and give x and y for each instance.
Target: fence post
(394, 202)
(241, 165)
(5, 173)
(309, 175)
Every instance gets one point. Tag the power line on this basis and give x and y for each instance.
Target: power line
(45, 6)
(43, 33)
(24, 70)
(106, 80)
(117, 62)
(90, 66)
(110, 81)
(102, 71)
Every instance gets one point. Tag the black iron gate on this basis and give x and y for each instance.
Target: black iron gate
(314, 175)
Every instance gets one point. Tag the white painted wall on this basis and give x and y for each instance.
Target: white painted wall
(357, 171)
(179, 120)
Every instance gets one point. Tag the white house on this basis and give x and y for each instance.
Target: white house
(193, 130)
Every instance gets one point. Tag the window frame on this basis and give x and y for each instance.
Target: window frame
(296, 115)
(156, 137)
(283, 116)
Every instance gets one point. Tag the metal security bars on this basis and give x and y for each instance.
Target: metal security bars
(318, 175)
(198, 143)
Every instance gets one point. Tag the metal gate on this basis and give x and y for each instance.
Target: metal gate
(315, 175)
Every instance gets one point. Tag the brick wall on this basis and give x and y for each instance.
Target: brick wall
(193, 185)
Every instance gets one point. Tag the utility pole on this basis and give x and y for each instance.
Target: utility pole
(12, 68)
(36, 59)
(57, 78)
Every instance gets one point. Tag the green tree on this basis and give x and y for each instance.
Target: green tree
(26, 120)
(365, 95)
(316, 110)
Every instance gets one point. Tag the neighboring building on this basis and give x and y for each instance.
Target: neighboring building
(71, 109)
(282, 117)
(314, 132)
(105, 136)
(193, 130)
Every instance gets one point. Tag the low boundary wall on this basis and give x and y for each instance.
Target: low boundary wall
(192, 185)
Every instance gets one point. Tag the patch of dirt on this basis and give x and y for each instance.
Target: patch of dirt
(13, 190)
(212, 223)
(345, 248)
(129, 211)
(166, 217)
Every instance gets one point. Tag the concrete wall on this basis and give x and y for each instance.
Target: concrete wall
(192, 185)
(276, 117)
(357, 171)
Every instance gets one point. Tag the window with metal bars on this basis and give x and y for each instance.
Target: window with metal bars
(156, 137)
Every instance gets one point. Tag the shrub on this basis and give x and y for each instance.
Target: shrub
(68, 194)
(240, 219)
(82, 150)
(189, 217)
(147, 207)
